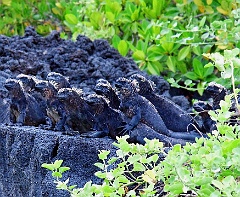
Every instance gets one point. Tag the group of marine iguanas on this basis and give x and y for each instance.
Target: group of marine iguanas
(130, 106)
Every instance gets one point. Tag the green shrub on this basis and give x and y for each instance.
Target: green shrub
(16, 15)
(161, 36)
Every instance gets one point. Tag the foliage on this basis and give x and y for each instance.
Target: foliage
(161, 36)
(166, 37)
(135, 171)
(209, 167)
(229, 66)
(16, 15)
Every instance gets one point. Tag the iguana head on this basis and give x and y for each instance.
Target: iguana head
(28, 81)
(97, 102)
(126, 87)
(103, 88)
(145, 85)
(58, 80)
(215, 89)
(69, 94)
(46, 89)
(14, 87)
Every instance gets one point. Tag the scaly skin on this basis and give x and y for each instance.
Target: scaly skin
(107, 120)
(29, 82)
(203, 109)
(24, 108)
(110, 122)
(103, 87)
(217, 93)
(55, 109)
(139, 109)
(58, 79)
(174, 117)
(79, 116)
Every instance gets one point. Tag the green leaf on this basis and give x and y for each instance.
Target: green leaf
(181, 65)
(138, 55)
(57, 164)
(152, 67)
(103, 154)
(57, 174)
(202, 22)
(100, 165)
(229, 54)
(101, 175)
(188, 82)
(227, 73)
(198, 67)
(48, 166)
(115, 40)
(123, 47)
(228, 147)
(197, 50)
(110, 16)
(6, 2)
(63, 169)
(203, 180)
(200, 87)
(171, 63)
(138, 167)
(191, 75)
(207, 71)
(183, 53)
(71, 19)
(175, 188)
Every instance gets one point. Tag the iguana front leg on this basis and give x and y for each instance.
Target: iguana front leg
(135, 114)
(22, 114)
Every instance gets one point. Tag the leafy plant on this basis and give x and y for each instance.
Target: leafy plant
(17, 15)
(227, 64)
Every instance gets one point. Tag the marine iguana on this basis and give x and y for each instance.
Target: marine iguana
(110, 122)
(107, 120)
(173, 116)
(208, 125)
(24, 109)
(55, 109)
(58, 79)
(217, 92)
(78, 114)
(29, 82)
(139, 109)
(103, 87)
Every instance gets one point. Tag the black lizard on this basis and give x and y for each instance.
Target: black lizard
(110, 122)
(29, 82)
(208, 125)
(103, 87)
(217, 92)
(78, 114)
(58, 79)
(139, 109)
(24, 108)
(55, 109)
(174, 117)
(107, 120)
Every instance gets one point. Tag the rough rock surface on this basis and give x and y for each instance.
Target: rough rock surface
(24, 149)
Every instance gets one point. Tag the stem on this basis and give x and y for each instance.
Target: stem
(234, 88)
